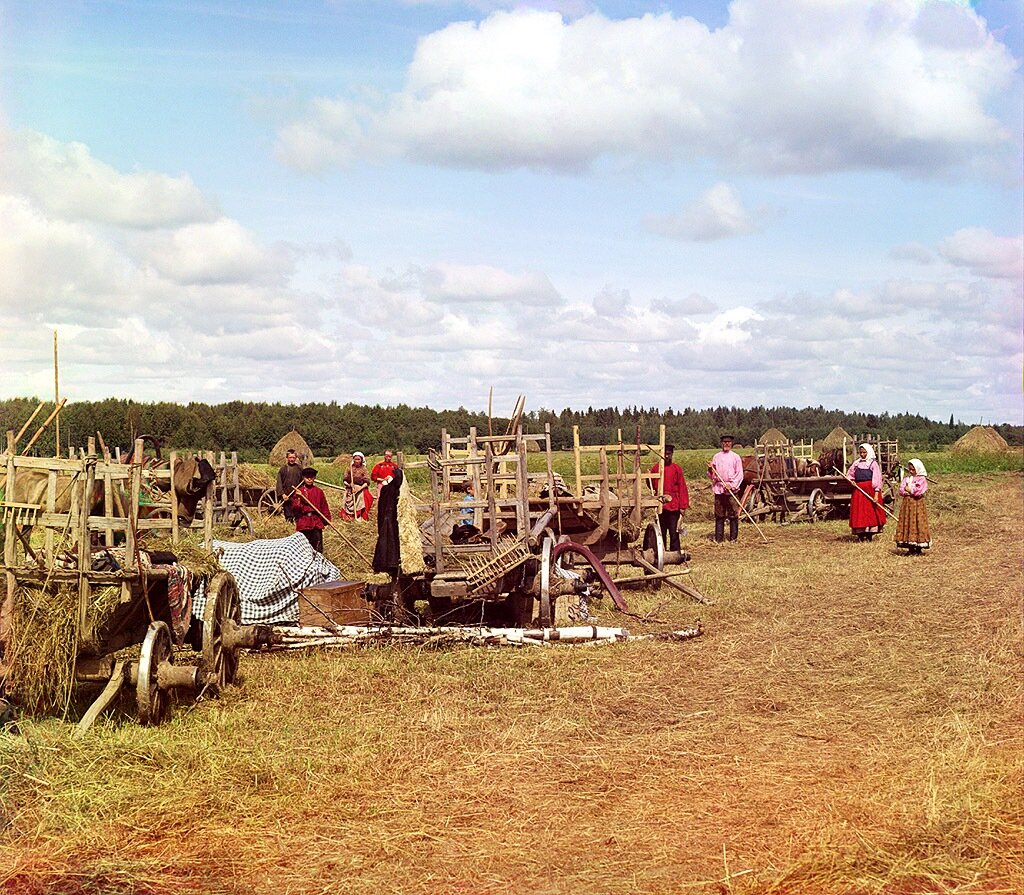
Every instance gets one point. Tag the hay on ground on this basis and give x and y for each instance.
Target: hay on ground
(980, 440)
(294, 441)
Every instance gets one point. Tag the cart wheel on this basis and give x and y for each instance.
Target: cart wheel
(546, 549)
(268, 504)
(654, 541)
(817, 506)
(153, 703)
(221, 616)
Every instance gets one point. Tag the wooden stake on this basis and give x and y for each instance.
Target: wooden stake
(42, 428)
(28, 423)
(56, 395)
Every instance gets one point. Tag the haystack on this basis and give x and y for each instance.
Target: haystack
(773, 436)
(980, 440)
(295, 441)
(342, 460)
(835, 439)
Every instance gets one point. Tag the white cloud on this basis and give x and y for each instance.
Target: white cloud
(447, 282)
(692, 305)
(912, 251)
(984, 253)
(219, 252)
(65, 180)
(795, 86)
(717, 214)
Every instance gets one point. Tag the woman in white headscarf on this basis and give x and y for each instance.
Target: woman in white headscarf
(358, 498)
(912, 526)
(867, 516)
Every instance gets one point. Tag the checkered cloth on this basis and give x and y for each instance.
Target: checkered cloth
(270, 575)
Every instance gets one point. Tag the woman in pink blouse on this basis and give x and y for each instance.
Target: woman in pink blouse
(912, 526)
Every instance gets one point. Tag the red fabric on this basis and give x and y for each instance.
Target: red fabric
(865, 513)
(674, 486)
(382, 470)
(306, 517)
(363, 502)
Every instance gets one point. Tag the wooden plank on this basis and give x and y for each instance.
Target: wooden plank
(175, 533)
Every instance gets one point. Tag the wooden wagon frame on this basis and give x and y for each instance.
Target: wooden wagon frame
(142, 614)
(525, 521)
(777, 492)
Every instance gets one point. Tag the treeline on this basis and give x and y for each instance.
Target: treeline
(252, 429)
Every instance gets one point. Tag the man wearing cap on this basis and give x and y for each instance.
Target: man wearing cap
(309, 504)
(289, 477)
(675, 498)
(726, 473)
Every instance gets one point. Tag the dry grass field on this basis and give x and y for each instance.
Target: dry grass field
(851, 722)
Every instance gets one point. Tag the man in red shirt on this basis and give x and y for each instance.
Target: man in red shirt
(675, 499)
(307, 500)
(383, 470)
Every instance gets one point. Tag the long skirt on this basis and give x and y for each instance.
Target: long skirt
(866, 516)
(912, 525)
(357, 506)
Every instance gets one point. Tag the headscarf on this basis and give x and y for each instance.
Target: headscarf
(360, 455)
(871, 452)
(918, 467)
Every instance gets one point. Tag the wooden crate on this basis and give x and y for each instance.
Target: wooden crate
(341, 601)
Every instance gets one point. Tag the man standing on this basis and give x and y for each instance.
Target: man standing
(289, 477)
(383, 470)
(309, 504)
(726, 473)
(675, 498)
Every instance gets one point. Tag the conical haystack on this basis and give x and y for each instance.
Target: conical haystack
(342, 460)
(773, 436)
(291, 440)
(980, 440)
(834, 439)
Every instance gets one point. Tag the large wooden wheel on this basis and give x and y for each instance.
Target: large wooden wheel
(817, 506)
(153, 702)
(654, 541)
(269, 505)
(222, 616)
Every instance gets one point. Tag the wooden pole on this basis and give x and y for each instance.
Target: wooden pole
(42, 428)
(56, 395)
(28, 423)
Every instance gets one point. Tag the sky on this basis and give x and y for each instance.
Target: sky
(673, 204)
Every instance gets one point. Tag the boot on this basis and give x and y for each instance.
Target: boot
(734, 528)
(719, 530)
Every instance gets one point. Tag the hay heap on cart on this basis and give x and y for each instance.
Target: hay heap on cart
(87, 603)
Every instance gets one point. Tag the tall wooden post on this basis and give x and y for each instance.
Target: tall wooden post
(56, 396)
(10, 559)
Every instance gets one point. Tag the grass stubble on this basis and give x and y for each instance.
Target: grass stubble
(851, 722)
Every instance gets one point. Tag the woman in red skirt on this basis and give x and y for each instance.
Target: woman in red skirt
(867, 516)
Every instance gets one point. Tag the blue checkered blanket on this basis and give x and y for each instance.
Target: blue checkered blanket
(270, 575)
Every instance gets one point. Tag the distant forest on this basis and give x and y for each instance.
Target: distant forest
(253, 429)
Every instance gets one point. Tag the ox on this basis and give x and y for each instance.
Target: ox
(191, 476)
(31, 486)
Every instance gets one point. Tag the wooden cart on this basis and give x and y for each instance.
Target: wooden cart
(777, 490)
(86, 539)
(525, 521)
